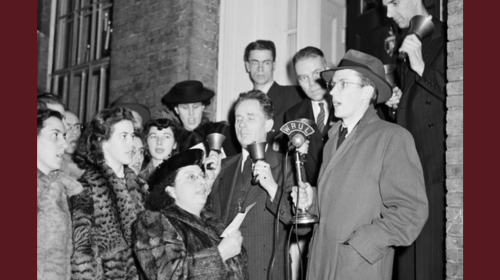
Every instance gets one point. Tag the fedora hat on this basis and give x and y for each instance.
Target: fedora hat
(130, 102)
(369, 66)
(187, 92)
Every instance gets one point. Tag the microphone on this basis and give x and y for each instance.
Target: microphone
(299, 130)
(297, 141)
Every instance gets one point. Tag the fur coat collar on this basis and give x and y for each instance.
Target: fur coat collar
(175, 244)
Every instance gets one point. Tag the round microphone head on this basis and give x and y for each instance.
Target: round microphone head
(298, 140)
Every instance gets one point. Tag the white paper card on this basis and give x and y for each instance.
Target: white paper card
(236, 223)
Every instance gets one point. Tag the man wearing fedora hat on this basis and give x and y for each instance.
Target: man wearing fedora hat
(141, 113)
(370, 195)
(422, 110)
(188, 100)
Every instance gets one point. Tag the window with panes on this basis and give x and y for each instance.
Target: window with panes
(79, 54)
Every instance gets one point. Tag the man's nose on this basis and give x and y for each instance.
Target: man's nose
(389, 12)
(261, 66)
(312, 80)
(64, 144)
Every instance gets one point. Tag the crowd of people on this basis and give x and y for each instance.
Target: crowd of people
(125, 196)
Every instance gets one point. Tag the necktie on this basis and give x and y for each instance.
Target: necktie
(342, 134)
(246, 176)
(321, 118)
(247, 167)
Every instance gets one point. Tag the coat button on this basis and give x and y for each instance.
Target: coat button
(428, 102)
(431, 125)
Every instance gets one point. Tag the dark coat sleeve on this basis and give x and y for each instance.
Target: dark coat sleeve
(433, 77)
(282, 202)
(162, 254)
(83, 261)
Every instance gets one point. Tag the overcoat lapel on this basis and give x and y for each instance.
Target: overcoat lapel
(333, 157)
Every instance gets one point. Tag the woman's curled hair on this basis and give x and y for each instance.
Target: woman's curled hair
(89, 151)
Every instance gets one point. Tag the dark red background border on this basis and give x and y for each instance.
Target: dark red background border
(481, 141)
(18, 45)
(481, 122)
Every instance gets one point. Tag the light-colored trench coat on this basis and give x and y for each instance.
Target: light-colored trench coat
(371, 197)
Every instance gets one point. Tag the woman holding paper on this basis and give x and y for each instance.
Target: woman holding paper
(177, 237)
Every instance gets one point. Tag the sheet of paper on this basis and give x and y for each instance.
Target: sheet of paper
(236, 223)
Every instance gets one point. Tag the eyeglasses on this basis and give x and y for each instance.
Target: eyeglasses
(192, 176)
(340, 85)
(74, 128)
(306, 78)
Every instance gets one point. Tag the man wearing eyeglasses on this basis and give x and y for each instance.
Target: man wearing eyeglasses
(308, 63)
(371, 195)
(73, 133)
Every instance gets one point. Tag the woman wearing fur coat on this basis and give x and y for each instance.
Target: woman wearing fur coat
(104, 212)
(177, 238)
(53, 227)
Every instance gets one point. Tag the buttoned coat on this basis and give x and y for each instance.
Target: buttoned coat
(317, 140)
(103, 214)
(422, 110)
(371, 195)
(174, 244)
(258, 228)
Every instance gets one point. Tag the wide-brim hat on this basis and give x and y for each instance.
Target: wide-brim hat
(130, 102)
(370, 66)
(187, 92)
(170, 166)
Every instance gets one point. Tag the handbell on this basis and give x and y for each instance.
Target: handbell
(215, 141)
(422, 27)
(257, 152)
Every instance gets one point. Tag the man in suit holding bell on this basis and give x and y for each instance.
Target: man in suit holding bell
(420, 107)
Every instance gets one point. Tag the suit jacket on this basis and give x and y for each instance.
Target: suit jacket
(283, 97)
(371, 194)
(317, 140)
(422, 110)
(258, 228)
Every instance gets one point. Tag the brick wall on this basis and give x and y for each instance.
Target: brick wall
(454, 143)
(157, 43)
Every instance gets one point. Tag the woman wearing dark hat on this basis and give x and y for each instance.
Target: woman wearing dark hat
(177, 237)
(188, 99)
(111, 199)
(161, 138)
(140, 112)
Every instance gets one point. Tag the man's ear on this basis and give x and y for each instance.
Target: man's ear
(368, 92)
(176, 109)
(274, 65)
(269, 125)
(247, 66)
(171, 191)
